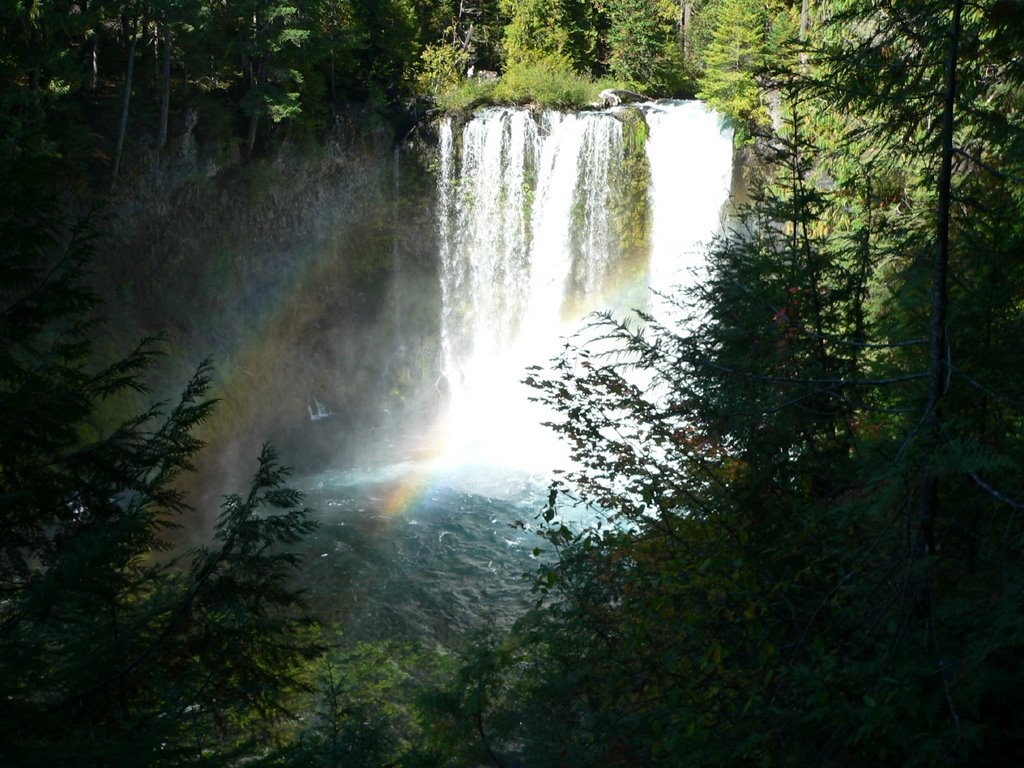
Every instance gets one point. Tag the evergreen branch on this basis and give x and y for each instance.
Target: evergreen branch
(913, 433)
(943, 669)
(268, 475)
(982, 388)
(64, 274)
(796, 400)
(988, 166)
(821, 335)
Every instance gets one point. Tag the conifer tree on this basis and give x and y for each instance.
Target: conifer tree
(637, 39)
(553, 29)
(111, 651)
(732, 59)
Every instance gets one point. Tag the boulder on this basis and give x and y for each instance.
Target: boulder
(613, 97)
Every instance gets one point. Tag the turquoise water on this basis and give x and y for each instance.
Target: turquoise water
(401, 553)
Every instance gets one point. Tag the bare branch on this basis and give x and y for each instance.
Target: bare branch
(987, 167)
(989, 489)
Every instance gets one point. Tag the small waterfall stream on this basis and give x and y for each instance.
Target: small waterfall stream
(691, 169)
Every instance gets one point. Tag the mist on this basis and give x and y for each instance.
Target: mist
(310, 280)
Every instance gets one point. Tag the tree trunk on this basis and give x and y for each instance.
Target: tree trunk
(165, 96)
(143, 31)
(125, 102)
(805, 18)
(334, 95)
(91, 44)
(938, 344)
(251, 73)
(687, 15)
(250, 141)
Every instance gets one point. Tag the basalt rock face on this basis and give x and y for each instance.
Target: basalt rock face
(185, 208)
(309, 277)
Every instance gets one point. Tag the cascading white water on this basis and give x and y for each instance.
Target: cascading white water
(570, 223)
(690, 181)
(488, 293)
(596, 244)
(529, 242)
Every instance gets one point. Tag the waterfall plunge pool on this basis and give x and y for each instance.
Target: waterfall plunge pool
(422, 552)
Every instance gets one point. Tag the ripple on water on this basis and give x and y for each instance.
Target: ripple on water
(452, 559)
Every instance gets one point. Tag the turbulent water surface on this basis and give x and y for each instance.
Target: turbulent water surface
(397, 558)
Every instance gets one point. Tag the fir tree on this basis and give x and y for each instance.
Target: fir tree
(732, 60)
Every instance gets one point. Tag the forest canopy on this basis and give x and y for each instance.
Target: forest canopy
(102, 83)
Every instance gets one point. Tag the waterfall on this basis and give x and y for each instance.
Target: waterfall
(485, 264)
(540, 220)
(570, 223)
(689, 183)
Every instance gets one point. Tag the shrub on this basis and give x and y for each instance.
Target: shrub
(547, 81)
(467, 95)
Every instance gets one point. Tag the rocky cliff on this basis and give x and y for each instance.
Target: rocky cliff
(310, 277)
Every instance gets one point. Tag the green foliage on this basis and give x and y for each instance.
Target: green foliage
(243, 607)
(467, 94)
(733, 59)
(641, 40)
(371, 705)
(260, 71)
(444, 67)
(545, 81)
(111, 652)
(268, 36)
(632, 39)
(387, 63)
(339, 40)
(560, 30)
